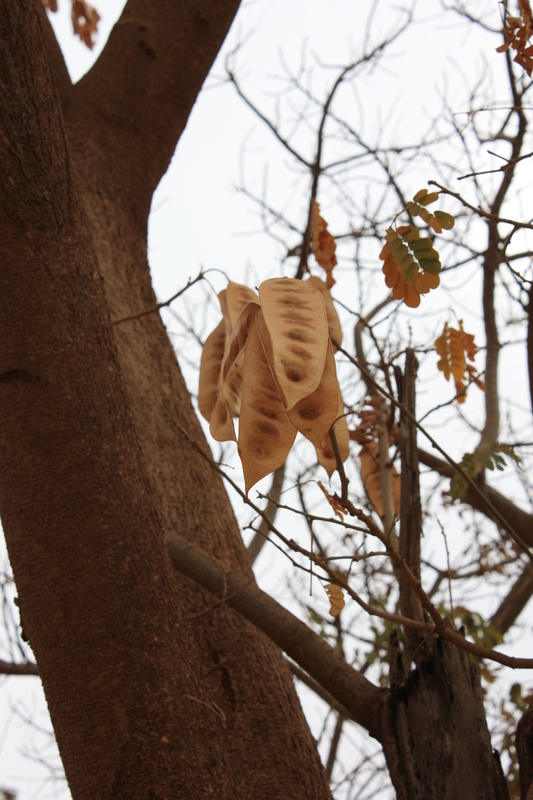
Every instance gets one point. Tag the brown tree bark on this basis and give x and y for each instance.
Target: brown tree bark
(410, 511)
(149, 695)
(442, 735)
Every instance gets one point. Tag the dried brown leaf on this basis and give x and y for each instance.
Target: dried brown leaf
(338, 510)
(323, 244)
(85, 20)
(336, 598)
(370, 475)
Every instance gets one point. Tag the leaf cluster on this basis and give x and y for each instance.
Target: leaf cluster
(270, 362)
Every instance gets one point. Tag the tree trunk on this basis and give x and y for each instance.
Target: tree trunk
(442, 735)
(152, 690)
(442, 749)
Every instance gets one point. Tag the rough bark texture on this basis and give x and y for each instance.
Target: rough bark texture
(524, 751)
(443, 740)
(148, 695)
(97, 594)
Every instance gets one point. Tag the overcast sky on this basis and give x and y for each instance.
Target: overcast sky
(199, 220)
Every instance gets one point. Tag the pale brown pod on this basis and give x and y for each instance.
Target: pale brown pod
(295, 315)
(314, 415)
(221, 424)
(224, 308)
(334, 324)
(228, 392)
(237, 297)
(266, 433)
(212, 355)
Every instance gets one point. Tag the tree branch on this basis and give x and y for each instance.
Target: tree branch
(8, 668)
(308, 649)
(516, 600)
(262, 533)
(520, 521)
(410, 510)
(130, 109)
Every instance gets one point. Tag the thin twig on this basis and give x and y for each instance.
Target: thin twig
(164, 304)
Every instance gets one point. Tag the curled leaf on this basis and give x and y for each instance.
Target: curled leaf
(229, 386)
(336, 598)
(517, 31)
(85, 20)
(454, 347)
(338, 510)
(370, 475)
(323, 244)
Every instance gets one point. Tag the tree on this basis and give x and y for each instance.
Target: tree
(158, 680)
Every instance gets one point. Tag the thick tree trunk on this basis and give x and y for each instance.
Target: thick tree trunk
(136, 667)
(97, 594)
(246, 675)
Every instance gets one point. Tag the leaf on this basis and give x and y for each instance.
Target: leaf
(334, 325)
(517, 32)
(295, 316)
(237, 297)
(323, 244)
(266, 433)
(454, 347)
(334, 503)
(210, 363)
(314, 415)
(445, 220)
(85, 22)
(411, 265)
(336, 598)
(370, 475)
(473, 463)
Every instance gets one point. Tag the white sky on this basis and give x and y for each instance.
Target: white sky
(199, 220)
